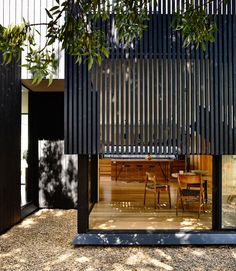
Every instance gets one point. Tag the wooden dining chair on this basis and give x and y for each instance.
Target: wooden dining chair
(188, 194)
(156, 188)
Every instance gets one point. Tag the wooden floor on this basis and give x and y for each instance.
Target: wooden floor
(121, 207)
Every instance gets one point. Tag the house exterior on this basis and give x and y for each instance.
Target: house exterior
(154, 97)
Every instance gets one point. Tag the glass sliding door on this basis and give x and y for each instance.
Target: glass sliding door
(24, 148)
(229, 191)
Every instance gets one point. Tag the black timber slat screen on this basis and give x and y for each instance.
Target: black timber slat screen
(10, 135)
(155, 96)
(81, 110)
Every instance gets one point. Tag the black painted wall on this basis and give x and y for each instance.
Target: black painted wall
(10, 135)
(46, 113)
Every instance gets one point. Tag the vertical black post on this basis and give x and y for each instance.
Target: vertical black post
(83, 210)
(150, 85)
(217, 192)
(10, 132)
(94, 178)
(160, 82)
(234, 74)
(155, 63)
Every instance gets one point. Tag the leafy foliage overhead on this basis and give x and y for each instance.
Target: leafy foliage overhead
(195, 22)
(83, 36)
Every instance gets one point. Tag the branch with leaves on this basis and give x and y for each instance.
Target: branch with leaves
(196, 24)
(82, 37)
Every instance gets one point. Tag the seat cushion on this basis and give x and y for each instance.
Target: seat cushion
(159, 186)
(190, 192)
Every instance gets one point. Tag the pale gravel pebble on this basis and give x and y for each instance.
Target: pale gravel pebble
(42, 242)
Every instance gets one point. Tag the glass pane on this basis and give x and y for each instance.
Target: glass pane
(129, 198)
(24, 148)
(229, 191)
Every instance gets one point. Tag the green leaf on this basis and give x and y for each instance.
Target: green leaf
(99, 59)
(64, 3)
(79, 59)
(50, 80)
(49, 14)
(203, 46)
(56, 12)
(40, 78)
(54, 8)
(19, 56)
(9, 58)
(4, 57)
(51, 41)
(90, 62)
(35, 78)
(105, 52)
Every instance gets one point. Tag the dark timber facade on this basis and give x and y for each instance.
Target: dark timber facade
(155, 97)
(10, 108)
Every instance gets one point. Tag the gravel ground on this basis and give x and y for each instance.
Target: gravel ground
(43, 242)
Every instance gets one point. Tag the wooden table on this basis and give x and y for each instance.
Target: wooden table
(147, 165)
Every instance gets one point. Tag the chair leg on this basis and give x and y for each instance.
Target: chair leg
(145, 192)
(177, 204)
(169, 196)
(203, 203)
(199, 211)
(182, 204)
(200, 206)
(155, 199)
(158, 198)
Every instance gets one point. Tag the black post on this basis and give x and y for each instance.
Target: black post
(83, 210)
(94, 178)
(217, 192)
(10, 145)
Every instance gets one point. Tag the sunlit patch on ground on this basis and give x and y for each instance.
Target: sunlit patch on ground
(27, 223)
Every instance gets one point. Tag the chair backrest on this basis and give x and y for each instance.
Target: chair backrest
(151, 177)
(185, 179)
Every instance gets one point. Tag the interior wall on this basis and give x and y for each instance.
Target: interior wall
(10, 134)
(203, 162)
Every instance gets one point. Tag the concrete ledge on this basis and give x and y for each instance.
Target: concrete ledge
(155, 239)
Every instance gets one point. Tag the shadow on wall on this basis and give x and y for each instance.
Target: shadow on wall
(57, 176)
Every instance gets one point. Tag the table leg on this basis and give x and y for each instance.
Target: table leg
(205, 190)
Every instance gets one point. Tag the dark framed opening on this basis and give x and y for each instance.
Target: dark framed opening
(216, 235)
(44, 111)
(128, 201)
